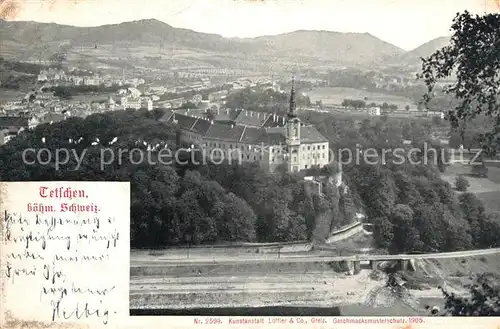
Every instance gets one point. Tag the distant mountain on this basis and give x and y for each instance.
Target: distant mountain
(347, 47)
(145, 32)
(430, 47)
(413, 57)
(310, 46)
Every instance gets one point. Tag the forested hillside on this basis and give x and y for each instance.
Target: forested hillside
(171, 205)
(411, 207)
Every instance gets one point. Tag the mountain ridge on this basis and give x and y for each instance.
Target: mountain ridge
(314, 46)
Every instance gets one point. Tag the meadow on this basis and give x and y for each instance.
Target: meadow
(486, 189)
(335, 96)
(7, 95)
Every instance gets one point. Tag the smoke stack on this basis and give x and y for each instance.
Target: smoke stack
(258, 115)
(246, 113)
(232, 126)
(283, 120)
(274, 117)
(251, 114)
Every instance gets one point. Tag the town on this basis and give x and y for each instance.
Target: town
(61, 93)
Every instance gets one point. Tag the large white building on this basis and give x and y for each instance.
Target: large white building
(136, 103)
(241, 135)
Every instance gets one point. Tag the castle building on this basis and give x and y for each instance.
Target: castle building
(247, 136)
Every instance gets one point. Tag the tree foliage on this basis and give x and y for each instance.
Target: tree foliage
(484, 298)
(461, 183)
(172, 204)
(473, 56)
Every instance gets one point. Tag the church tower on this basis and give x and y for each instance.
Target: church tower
(293, 133)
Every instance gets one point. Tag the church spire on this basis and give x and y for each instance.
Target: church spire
(293, 105)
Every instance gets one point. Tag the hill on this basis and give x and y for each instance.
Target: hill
(412, 57)
(345, 47)
(34, 41)
(429, 47)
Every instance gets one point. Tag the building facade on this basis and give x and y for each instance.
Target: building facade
(246, 136)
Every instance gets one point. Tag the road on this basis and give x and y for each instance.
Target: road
(288, 258)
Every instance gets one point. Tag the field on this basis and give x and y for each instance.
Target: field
(7, 95)
(486, 189)
(490, 200)
(335, 96)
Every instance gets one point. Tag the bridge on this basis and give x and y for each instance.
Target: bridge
(354, 262)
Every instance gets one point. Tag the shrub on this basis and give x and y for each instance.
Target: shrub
(461, 183)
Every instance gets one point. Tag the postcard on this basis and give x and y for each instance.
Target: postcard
(250, 164)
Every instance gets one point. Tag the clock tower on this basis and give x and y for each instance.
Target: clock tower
(293, 133)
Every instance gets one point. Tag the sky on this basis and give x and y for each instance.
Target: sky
(404, 23)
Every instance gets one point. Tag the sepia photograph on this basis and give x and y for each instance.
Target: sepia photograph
(285, 157)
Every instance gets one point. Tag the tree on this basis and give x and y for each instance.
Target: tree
(430, 227)
(383, 232)
(407, 107)
(406, 236)
(474, 56)
(188, 105)
(474, 212)
(461, 183)
(211, 114)
(238, 220)
(484, 299)
(491, 230)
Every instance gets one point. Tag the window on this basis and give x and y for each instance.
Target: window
(314, 147)
(309, 148)
(272, 160)
(305, 166)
